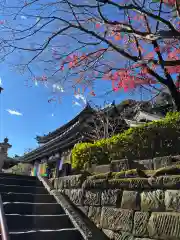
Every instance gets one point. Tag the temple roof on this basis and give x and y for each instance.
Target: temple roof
(52, 135)
(78, 130)
(61, 142)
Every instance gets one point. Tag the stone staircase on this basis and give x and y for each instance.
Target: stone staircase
(32, 213)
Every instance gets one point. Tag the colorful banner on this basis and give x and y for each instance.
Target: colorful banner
(60, 164)
(40, 169)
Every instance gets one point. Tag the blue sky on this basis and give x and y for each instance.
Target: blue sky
(32, 102)
(37, 117)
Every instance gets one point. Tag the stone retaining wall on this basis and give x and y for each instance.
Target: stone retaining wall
(128, 209)
(149, 164)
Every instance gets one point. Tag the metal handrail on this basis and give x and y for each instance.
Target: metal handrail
(4, 228)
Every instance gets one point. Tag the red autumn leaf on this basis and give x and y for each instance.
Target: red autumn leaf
(144, 70)
(83, 57)
(149, 55)
(70, 64)
(44, 78)
(173, 55)
(98, 25)
(157, 49)
(68, 58)
(62, 67)
(153, 66)
(173, 69)
(170, 2)
(92, 93)
(115, 89)
(117, 37)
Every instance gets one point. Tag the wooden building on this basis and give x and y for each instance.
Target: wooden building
(87, 126)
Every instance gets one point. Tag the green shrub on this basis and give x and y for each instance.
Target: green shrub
(157, 138)
(86, 154)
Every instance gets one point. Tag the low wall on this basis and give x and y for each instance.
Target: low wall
(128, 208)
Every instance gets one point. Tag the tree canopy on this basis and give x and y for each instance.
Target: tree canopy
(129, 43)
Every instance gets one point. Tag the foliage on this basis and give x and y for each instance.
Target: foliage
(21, 169)
(130, 43)
(157, 138)
(86, 151)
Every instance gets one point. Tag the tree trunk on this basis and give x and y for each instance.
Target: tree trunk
(175, 95)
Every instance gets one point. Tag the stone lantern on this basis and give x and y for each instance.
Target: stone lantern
(4, 146)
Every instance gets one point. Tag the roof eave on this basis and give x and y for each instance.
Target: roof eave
(45, 139)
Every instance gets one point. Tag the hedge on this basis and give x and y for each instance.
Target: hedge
(154, 139)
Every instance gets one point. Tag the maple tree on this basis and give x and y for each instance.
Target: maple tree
(128, 42)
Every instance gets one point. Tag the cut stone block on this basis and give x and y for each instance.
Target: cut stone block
(110, 197)
(93, 198)
(140, 224)
(116, 219)
(130, 200)
(152, 200)
(172, 200)
(123, 236)
(76, 196)
(94, 214)
(164, 225)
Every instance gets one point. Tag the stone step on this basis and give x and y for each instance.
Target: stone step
(10, 175)
(63, 234)
(22, 189)
(33, 208)
(18, 223)
(19, 181)
(26, 197)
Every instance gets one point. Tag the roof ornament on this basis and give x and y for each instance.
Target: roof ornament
(6, 140)
(1, 89)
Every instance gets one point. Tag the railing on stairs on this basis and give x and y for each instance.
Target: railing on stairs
(3, 227)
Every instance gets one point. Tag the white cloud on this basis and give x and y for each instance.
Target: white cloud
(23, 17)
(80, 96)
(77, 104)
(13, 112)
(57, 87)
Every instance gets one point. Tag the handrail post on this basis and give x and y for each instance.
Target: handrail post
(4, 228)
